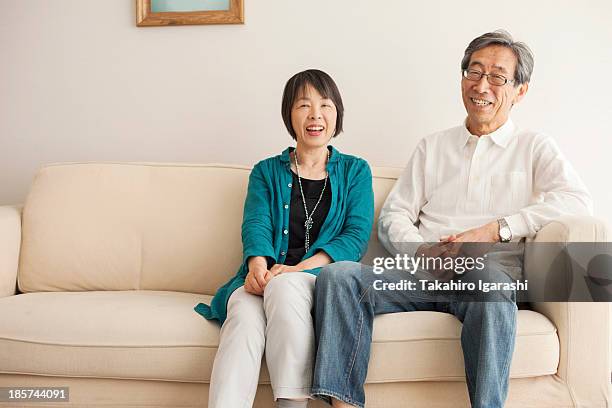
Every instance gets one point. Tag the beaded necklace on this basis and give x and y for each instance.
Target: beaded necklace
(308, 223)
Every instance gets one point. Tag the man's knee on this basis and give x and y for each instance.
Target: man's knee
(339, 274)
(496, 309)
(491, 272)
(493, 276)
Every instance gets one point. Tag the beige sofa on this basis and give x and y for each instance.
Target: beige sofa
(111, 259)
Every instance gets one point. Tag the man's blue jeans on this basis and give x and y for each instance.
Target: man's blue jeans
(346, 304)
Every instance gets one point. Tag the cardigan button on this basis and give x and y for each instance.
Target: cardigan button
(283, 253)
(285, 232)
(286, 206)
(289, 185)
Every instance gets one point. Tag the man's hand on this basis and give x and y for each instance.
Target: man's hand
(258, 276)
(486, 233)
(438, 250)
(432, 250)
(482, 239)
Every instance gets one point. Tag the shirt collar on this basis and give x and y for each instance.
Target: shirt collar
(333, 154)
(500, 137)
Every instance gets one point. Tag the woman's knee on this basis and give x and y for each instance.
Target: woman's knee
(245, 313)
(289, 285)
(289, 293)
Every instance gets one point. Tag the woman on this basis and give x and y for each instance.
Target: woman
(304, 209)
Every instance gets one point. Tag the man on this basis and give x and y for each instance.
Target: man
(485, 181)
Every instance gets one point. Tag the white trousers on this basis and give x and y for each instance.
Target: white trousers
(280, 323)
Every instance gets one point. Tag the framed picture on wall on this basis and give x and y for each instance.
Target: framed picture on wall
(188, 12)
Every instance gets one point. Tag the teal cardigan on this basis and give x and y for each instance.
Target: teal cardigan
(344, 235)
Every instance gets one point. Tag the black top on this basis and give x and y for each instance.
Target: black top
(297, 231)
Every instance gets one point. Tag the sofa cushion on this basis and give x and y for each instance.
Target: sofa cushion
(157, 335)
(113, 226)
(427, 346)
(113, 334)
(94, 226)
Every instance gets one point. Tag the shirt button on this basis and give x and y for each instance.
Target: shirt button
(286, 206)
(285, 232)
(289, 185)
(283, 253)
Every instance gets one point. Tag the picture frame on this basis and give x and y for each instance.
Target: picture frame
(162, 13)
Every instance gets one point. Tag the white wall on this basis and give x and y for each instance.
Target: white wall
(79, 81)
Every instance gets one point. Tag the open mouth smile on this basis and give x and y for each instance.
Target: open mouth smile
(481, 102)
(314, 130)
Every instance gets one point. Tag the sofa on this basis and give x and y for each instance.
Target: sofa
(102, 266)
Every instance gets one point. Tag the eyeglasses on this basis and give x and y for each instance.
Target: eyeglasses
(493, 79)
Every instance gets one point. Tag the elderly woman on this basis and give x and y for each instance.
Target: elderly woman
(305, 208)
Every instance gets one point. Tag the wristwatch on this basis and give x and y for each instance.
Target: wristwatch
(505, 235)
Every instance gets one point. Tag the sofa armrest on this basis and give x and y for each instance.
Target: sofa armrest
(584, 328)
(10, 244)
(575, 229)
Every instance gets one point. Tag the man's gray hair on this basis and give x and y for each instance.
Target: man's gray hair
(524, 56)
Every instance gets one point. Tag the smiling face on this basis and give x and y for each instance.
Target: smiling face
(313, 118)
(488, 106)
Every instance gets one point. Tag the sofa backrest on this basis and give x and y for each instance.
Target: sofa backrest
(112, 226)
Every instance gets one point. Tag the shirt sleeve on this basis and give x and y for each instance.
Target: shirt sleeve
(561, 191)
(352, 242)
(397, 223)
(257, 230)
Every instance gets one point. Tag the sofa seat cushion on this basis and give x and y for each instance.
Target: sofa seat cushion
(415, 346)
(110, 334)
(156, 335)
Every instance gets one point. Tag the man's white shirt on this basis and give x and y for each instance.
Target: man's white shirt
(456, 181)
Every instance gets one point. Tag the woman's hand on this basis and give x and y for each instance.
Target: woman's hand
(258, 276)
(280, 268)
(256, 281)
(316, 261)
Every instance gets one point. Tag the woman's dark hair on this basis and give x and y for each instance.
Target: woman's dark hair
(320, 81)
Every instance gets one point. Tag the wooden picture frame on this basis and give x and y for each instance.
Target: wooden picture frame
(146, 18)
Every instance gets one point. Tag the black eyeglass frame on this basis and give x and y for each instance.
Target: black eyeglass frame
(465, 73)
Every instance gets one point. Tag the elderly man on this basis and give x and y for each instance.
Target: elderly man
(485, 181)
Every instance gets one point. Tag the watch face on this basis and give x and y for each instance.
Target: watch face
(504, 233)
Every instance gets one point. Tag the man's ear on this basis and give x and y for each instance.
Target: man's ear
(520, 93)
